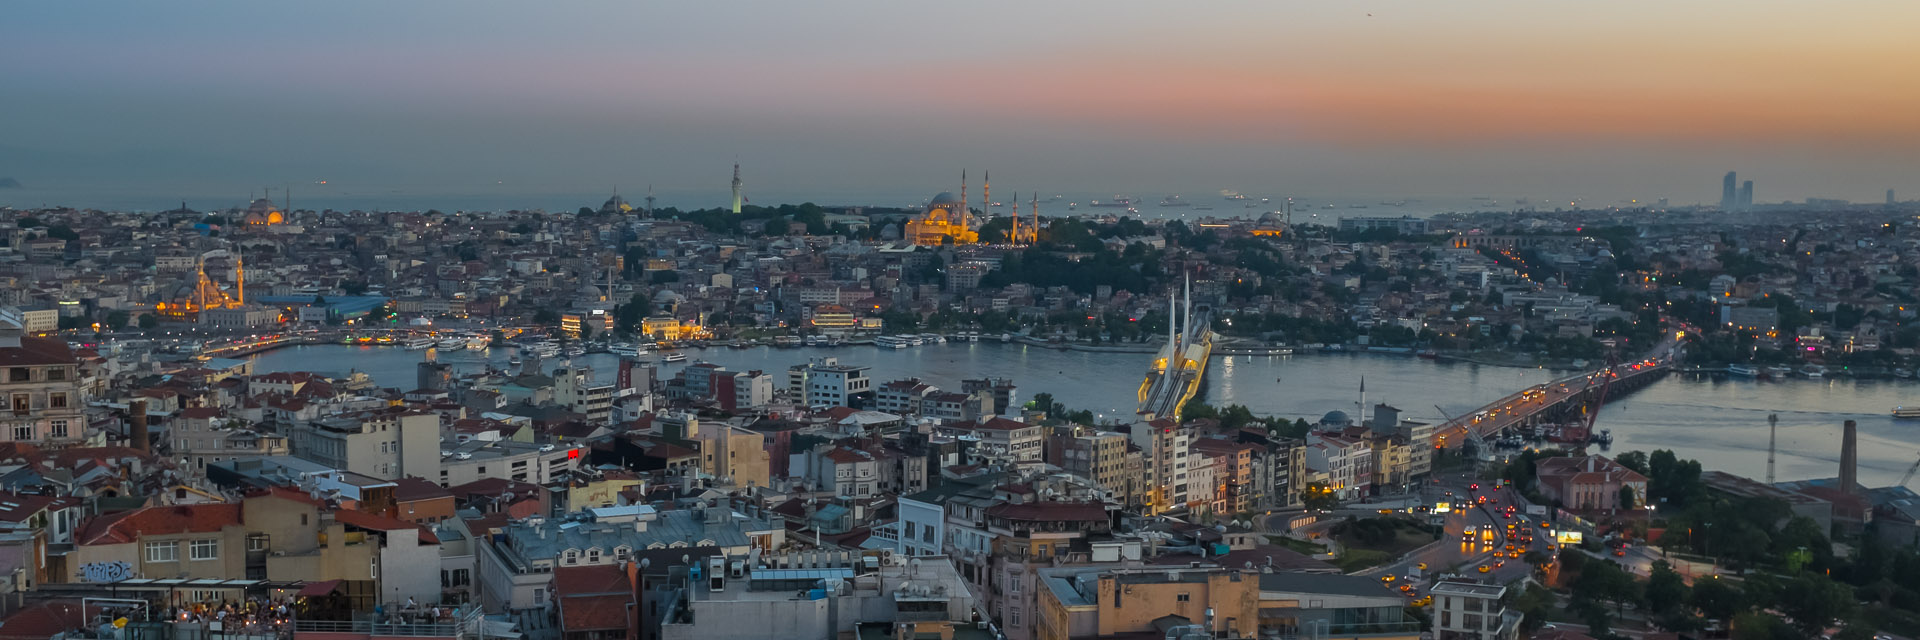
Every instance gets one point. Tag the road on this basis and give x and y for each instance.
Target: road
(1519, 407)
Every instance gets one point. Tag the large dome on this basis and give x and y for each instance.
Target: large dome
(1336, 418)
(944, 197)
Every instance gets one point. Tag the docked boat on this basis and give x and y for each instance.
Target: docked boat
(1906, 413)
(575, 352)
(786, 341)
(542, 349)
(932, 338)
(1604, 437)
(416, 344)
(1743, 370)
(451, 344)
(674, 357)
(816, 341)
(1778, 372)
(1813, 371)
(890, 342)
(623, 349)
(479, 343)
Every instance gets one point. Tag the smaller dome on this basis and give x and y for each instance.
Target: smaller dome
(1336, 417)
(944, 197)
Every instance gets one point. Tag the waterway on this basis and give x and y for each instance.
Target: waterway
(1721, 422)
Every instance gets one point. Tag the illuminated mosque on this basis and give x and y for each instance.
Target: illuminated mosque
(946, 221)
(262, 213)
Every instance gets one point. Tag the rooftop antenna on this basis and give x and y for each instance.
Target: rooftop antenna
(1773, 433)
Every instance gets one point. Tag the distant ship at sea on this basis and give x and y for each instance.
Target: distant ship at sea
(1117, 201)
(1174, 201)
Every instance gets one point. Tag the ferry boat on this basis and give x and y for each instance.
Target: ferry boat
(674, 357)
(451, 344)
(932, 338)
(1779, 372)
(816, 341)
(787, 341)
(479, 343)
(890, 342)
(1743, 370)
(1906, 413)
(416, 344)
(623, 349)
(542, 349)
(1813, 371)
(575, 352)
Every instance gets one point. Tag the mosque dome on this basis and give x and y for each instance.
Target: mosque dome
(1336, 418)
(944, 197)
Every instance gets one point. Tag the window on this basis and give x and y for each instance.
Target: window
(57, 374)
(22, 404)
(257, 542)
(23, 432)
(57, 400)
(1184, 597)
(57, 428)
(910, 531)
(19, 374)
(1013, 617)
(204, 550)
(163, 551)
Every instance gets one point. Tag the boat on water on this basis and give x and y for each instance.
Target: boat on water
(816, 341)
(786, 341)
(542, 349)
(1603, 438)
(479, 343)
(416, 344)
(451, 344)
(623, 349)
(1743, 370)
(1813, 371)
(932, 338)
(1779, 372)
(1117, 202)
(891, 342)
(575, 352)
(1906, 413)
(1429, 354)
(674, 357)
(1174, 201)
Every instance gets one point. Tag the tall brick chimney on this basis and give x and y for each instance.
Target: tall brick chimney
(137, 430)
(1849, 457)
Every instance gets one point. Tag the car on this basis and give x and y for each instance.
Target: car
(1473, 487)
(1422, 566)
(1622, 552)
(1485, 569)
(1508, 515)
(1387, 579)
(1501, 563)
(1423, 601)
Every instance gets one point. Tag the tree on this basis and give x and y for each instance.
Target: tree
(586, 332)
(1318, 496)
(545, 316)
(1666, 590)
(1717, 599)
(116, 320)
(1762, 626)
(148, 321)
(353, 287)
(1815, 602)
(1627, 497)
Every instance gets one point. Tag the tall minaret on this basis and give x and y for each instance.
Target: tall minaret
(736, 187)
(736, 178)
(1016, 219)
(1034, 229)
(960, 220)
(239, 278)
(986, 194)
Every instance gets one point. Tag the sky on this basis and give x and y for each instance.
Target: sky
(883, 102)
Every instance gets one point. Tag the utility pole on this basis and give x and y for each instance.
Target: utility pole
(1773, 433)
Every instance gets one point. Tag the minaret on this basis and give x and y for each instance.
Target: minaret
(650, 196)
(1035, 227)
(986, 194)
(239, 278)
(963, 200)
(736, 187)
(1016, 218)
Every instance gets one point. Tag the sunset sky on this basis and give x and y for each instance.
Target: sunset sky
(839, 101)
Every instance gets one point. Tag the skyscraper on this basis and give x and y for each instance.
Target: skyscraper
(1890, 200)
(1728, 196)
(737, 184)
(1746, 196)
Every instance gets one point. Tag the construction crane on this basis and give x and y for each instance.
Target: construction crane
(1473, 436)
(1909, 477)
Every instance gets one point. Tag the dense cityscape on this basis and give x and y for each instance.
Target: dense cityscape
(1012, 321)
(141, 424)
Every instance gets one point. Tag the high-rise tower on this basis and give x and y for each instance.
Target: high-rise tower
(736, 187)
(1746, 196)
(1728, 196)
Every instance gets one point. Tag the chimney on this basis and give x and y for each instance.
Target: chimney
(137, 429)
(1849, 458)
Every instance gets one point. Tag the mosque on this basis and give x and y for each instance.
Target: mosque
(947, 220)
(262, 213)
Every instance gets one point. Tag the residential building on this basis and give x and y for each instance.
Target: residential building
(1005, 440)
(41, 382)
(735, 455)
(575, 390)
(518, 461)
(903, 397)
(203, 435)
(1100, 456)
(1333, 607)
(1465, 610)
(845, 596)
(386, 443)
(515, 568)
(1164, 447)
(1104, 602)
(824, 382)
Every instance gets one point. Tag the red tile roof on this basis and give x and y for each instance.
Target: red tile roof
(411, 489)
(44, 621)
(36, 351)
(592, 598)
(129, 526)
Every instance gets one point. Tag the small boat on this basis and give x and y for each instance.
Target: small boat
(1778, 372)
(1428, 354)
(1604, 437)
(674, 357)
(890, 342)
(1813, 371)
(1906, 413)
(451, 344)
(787, 341)
(1174, 201)
(479, 343)
(623, 349)
(416, 344)
(575, 352)
(1743, 370)
(1903, 373)
(514, 360)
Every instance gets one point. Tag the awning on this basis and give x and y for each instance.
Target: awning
(321, 588)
